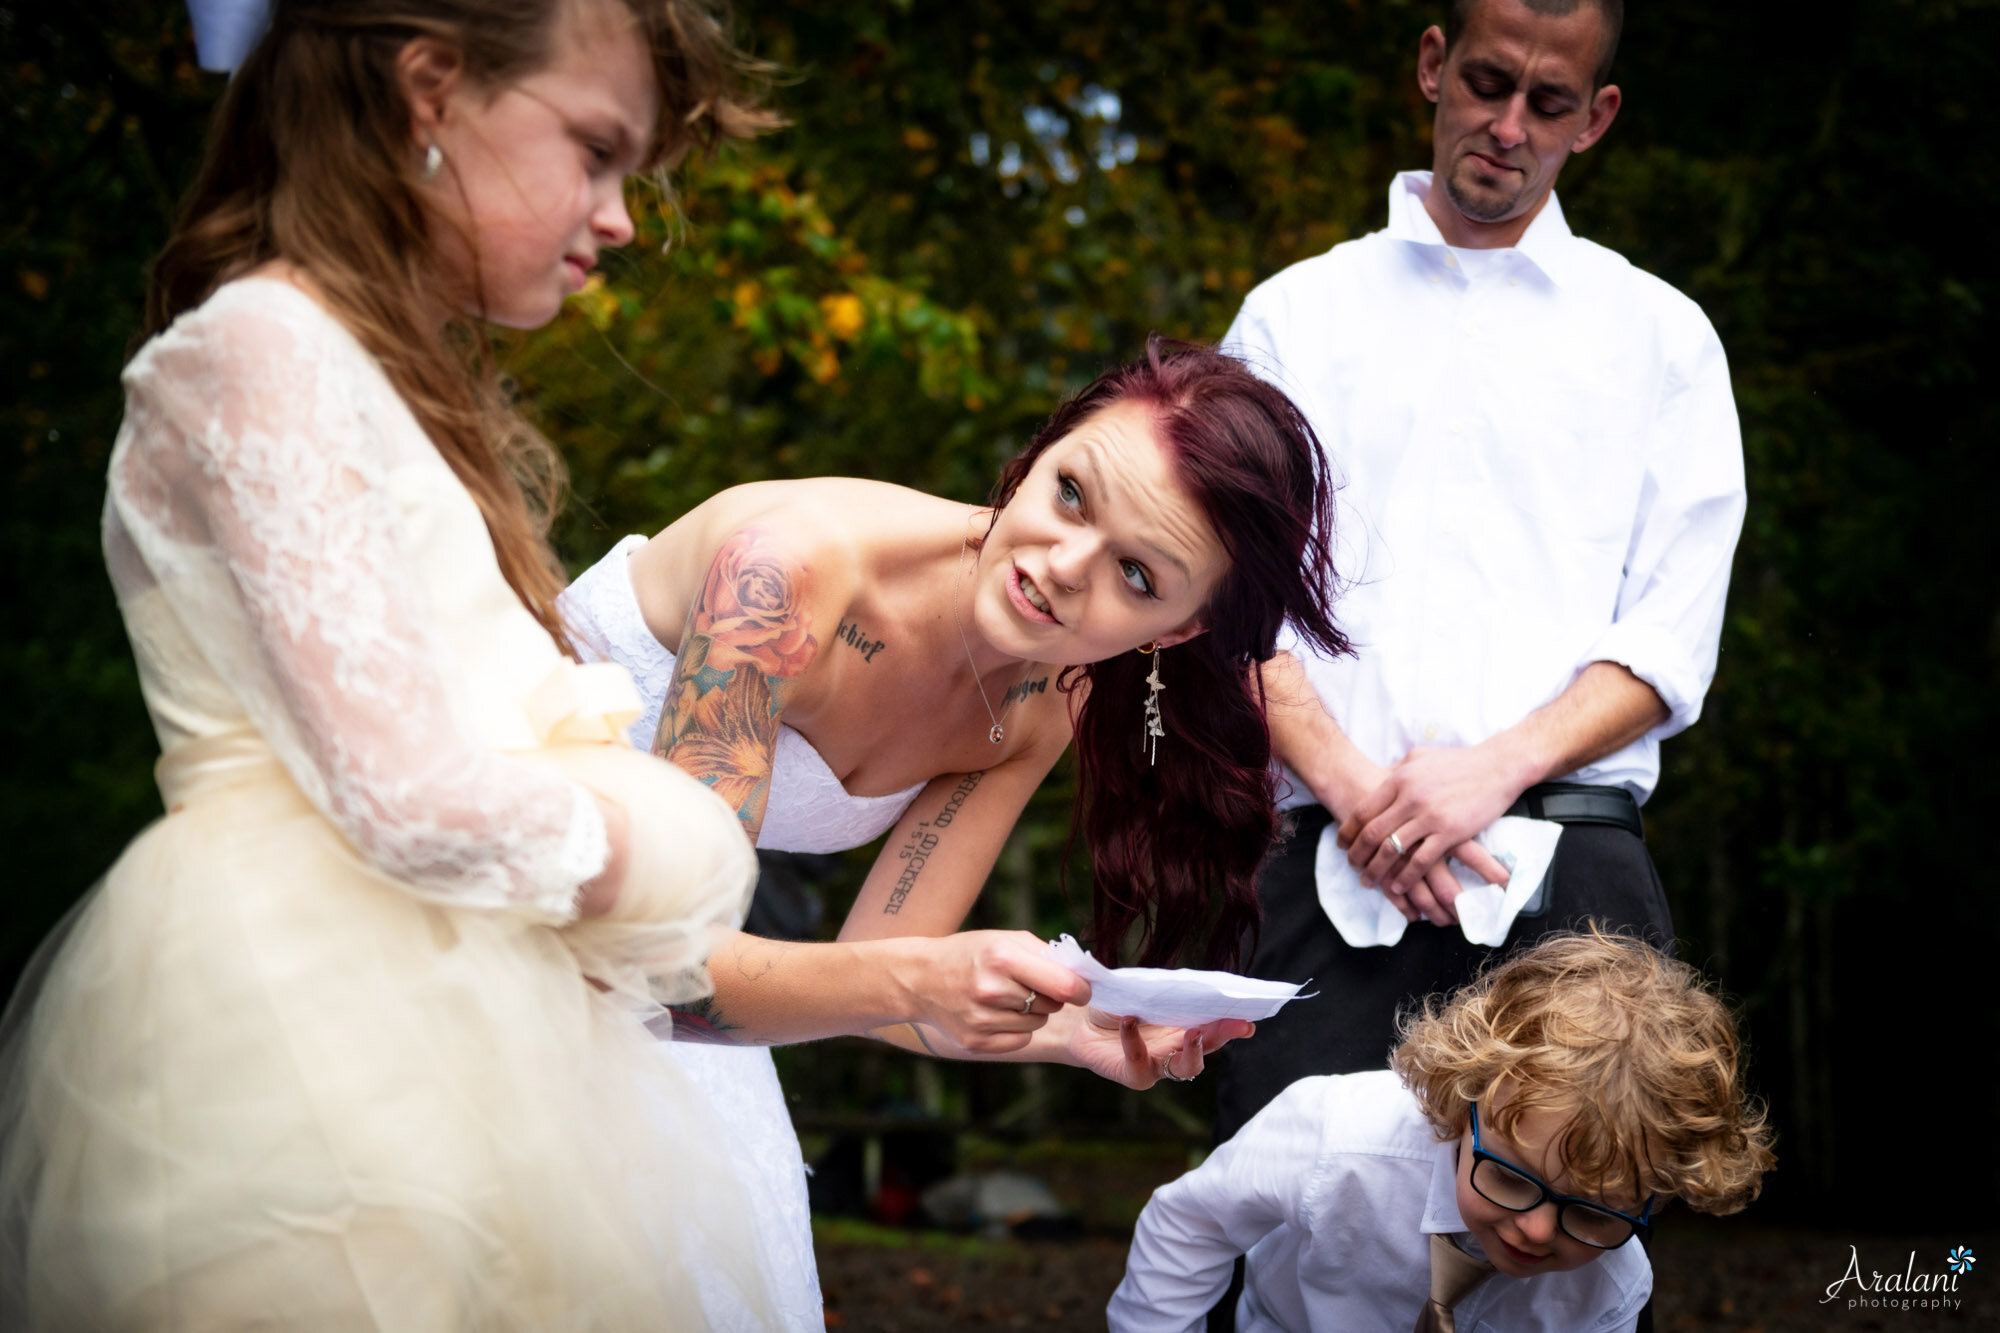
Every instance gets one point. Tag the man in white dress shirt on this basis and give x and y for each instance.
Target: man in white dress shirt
(1543, 487)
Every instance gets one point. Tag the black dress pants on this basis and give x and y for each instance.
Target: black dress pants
(1599, 873)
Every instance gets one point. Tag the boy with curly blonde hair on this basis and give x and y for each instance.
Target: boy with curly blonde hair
(1531, 1126)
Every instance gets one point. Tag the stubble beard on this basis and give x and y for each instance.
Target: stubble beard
(1487, 205)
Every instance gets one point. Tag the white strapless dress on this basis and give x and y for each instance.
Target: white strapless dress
(808, 811)
(322, 1051)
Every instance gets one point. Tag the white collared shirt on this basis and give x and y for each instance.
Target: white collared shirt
(1334, 1190)
(1541, 469)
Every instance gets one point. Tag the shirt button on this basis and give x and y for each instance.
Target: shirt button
(1435, 280)
(1430, 733)
(1450, 260)
(1513, 282)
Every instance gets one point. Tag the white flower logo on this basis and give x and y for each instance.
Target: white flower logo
(1959, 1260)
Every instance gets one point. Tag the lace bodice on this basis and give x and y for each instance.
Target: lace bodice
(292, 556)
(808, 811)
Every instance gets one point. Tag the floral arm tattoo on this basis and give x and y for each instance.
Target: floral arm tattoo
(746, 645)
(702, 1021)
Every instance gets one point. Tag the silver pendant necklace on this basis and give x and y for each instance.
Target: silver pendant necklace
(999, 733)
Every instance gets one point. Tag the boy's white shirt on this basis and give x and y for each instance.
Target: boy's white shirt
(1333, 1191)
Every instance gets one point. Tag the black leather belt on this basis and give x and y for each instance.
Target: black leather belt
(1581, 803)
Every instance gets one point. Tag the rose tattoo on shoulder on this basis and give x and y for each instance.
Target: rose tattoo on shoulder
(752, 602)
(747, 642)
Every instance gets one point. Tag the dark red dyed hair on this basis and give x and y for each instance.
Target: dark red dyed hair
(1175, 844)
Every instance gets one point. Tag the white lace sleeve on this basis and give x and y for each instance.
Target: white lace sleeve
(255, 484)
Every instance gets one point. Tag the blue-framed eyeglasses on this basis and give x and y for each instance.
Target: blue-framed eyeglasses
(1501, 1182)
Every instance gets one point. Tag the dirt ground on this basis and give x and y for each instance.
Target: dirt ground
(1741, 1274)
(1750, 1279)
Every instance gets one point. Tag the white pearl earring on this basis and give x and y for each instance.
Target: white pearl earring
(433, 161)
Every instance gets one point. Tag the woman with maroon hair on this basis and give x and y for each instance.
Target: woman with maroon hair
(842, 658)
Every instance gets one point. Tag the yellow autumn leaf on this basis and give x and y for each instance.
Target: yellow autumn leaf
(844, 314)
(744, 298)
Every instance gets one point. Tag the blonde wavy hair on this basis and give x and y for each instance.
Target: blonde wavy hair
(310, 161)
(1628, 1045)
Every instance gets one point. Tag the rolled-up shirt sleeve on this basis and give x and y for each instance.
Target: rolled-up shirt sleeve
(1192, 1230)
(1668, 625)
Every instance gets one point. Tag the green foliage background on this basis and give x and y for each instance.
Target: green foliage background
(982, 204)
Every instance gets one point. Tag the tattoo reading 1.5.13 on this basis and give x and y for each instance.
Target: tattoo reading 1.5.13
(923, 840)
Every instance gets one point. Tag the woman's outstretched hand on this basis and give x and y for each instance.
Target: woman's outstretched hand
(988, 991)
(1137, 1054)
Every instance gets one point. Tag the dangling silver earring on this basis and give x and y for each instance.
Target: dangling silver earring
(1150, 737)
(433, 161)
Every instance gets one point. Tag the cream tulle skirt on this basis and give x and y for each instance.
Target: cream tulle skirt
(252, 1084)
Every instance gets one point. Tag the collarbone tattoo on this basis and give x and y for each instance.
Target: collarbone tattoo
(1024, 689)
(851, 634)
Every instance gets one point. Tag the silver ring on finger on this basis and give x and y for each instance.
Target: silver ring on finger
(1029, 1007)
(1179, 1078)
(1396, 845)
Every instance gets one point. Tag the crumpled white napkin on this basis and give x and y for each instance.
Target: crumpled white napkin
(1365, 917)
(1183, 997)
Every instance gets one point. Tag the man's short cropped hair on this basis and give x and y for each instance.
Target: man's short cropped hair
(1629, 1045)
(1456, 13)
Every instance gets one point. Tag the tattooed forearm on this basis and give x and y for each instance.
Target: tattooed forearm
(914, 853)
(923, 840)
(747, 643)
(1024, 689)
(956, 799)
(702, 1021)
(851, 634)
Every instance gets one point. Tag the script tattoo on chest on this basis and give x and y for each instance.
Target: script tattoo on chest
(1024, 689)
(851, 634)
(915, 853)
